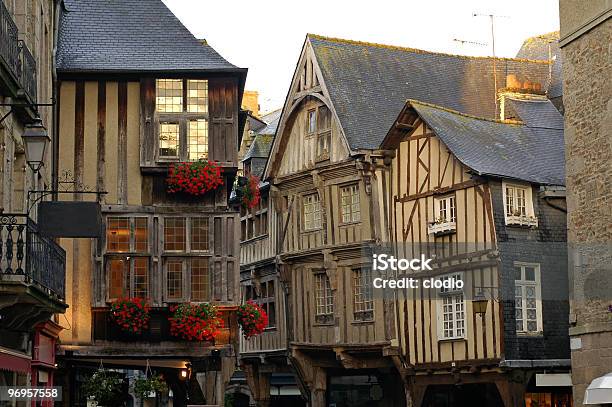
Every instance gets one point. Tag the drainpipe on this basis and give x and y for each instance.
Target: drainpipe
(54, 98)
(548, 193)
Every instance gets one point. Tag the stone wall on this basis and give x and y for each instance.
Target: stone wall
(588, 137)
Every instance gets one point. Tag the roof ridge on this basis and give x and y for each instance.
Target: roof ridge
(446, 109)
(420, 51)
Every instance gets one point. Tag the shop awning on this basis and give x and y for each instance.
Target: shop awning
(14, 362)
(599, 391)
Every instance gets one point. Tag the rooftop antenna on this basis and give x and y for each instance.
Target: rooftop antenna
(492, 17)
(463, 42)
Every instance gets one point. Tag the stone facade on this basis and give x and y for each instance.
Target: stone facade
(588, 134)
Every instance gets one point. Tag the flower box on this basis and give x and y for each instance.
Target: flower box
(520, 220)
(441, 228)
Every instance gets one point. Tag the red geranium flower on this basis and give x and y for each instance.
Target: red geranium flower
(195, 178)
(131, 314)
(252, 318)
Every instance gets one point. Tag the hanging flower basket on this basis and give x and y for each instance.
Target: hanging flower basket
(149, 386)
(105, 388)
(252, 319)
(195, 322)
(250, 192)
(194, 177)
(131, 314)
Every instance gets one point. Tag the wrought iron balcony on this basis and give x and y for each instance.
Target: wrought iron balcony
(9, 45)
(27, 256)
(18, 75)
(27, 75)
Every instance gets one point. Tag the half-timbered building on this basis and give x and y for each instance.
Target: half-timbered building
(329, 184)
(486, 200)
(138, 93)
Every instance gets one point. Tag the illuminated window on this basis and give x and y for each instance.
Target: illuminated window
(118, 234)
(312, 212)
(141, 234)
(169, 95)
(200, 285)
(174, 234)
(128, 277)
(169, 134)
(198, 139)
(197, 96)
(349, 197)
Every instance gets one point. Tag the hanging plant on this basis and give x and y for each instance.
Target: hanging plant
(131, 314)
(148, 386)
(194, 177)
(195, 322)
(105, 387)
(249, 192)
(252, 319)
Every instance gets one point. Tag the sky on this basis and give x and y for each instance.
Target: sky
(266, 36)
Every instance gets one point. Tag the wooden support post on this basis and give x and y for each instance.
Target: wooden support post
(259, 383)
(319, 388)
(512, 393)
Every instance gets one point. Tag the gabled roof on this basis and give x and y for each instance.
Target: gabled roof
(130, 36)
(258, 153)
(537, 113)
(271, 119)
(495, 148)
(538, 47)
(369, 83)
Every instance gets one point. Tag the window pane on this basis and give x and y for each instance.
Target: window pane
(141, 235)
(270, 293)
(350, 204)
(324, 295)
(197, 96)
(169, 97)
(199, 279)
(174, 234)
(174, 279)
(529, 274)
(141, 277)
(312, 212)
(362, 290)
(312, 121)
(198, 139)
(199, 233)
(271, 314)
(118, 234)
(118, 281)
(168, 139)
(324, 121)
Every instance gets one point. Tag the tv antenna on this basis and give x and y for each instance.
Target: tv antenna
(463, 42)
(492, 17)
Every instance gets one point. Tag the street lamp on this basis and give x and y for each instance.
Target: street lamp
(479, 303)
(36, 139)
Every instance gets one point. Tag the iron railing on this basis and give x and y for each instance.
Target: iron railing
(27, 76)
(9, 45)
(16, 54)
(25, 252)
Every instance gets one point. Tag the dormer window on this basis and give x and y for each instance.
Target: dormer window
(518, 205)
(181, 107)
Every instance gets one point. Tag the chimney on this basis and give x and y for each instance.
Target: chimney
(250, 101)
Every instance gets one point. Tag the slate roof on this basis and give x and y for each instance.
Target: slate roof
(130, 36)
(369, 83)
(271, 119)
(537, 113)
(537, 48)
(499, 149)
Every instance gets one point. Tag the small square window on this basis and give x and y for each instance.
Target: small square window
(118, 234)
(174, 234)
(312, 212)
(197, 96)
(199, 234)
(169, 95)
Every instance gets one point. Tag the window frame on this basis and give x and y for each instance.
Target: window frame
(457, 298)
(131, 277)
(315, 227)
(186, 283)
(537, 285)
(529, 207)
(254, 224)
(188, 238)
(264, 300)
(183, 118)
(448, 199)
(366, 314)
(352, 221)
(323, 133)
(329, 307)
